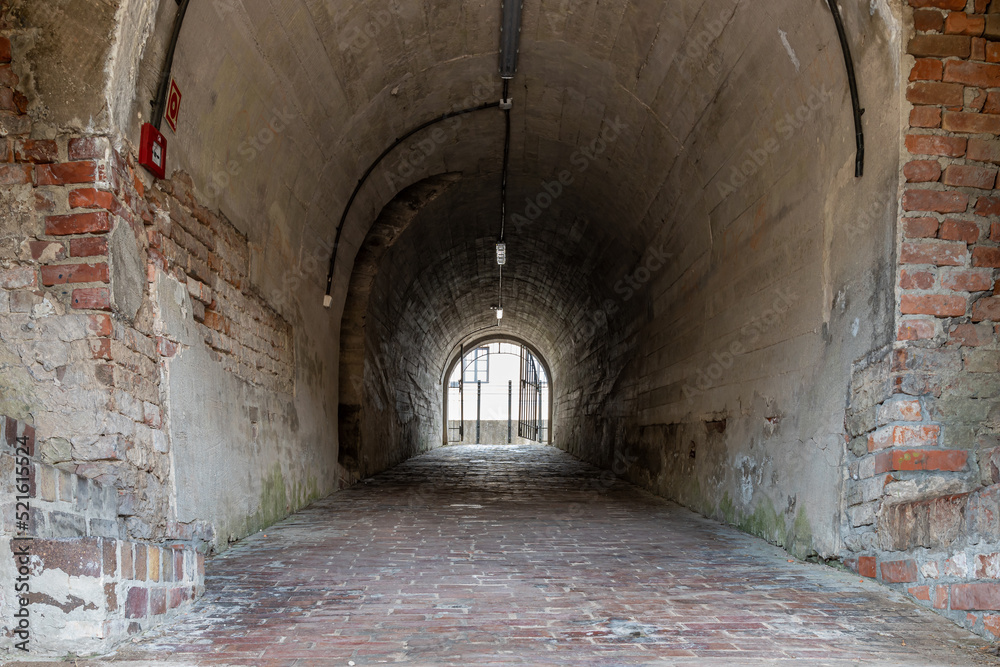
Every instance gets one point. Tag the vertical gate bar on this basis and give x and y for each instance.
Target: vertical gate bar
(534, 395)
(479, 404)
(520, 397)
(461, 393)
(510, 397)
(527, 395)
(538, 414)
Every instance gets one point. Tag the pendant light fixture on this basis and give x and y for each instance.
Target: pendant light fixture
(510, 38)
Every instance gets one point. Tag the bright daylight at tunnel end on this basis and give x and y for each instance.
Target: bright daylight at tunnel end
(739, 254)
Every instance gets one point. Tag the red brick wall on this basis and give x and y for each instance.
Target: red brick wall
(206, 252)
(84, 379)
(923, 494)
(66, 196)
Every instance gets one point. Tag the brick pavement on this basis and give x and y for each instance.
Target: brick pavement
(522, 555)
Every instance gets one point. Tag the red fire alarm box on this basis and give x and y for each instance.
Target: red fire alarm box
(153, 150)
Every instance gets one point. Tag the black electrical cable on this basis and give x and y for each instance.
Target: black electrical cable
(859, 165)
(368, 172)
(160, 103)
(503, 181)
(506, 159)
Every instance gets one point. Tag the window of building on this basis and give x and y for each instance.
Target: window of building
(477, 366)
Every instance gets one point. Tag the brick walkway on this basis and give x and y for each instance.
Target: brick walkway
(524, 556)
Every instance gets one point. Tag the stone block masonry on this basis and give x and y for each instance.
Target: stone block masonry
(77, 316)
(922, 495)
(87, 587)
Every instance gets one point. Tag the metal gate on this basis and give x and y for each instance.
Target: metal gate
(457, 433)
(529, 422)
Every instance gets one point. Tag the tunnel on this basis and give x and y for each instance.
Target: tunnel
(246, 243)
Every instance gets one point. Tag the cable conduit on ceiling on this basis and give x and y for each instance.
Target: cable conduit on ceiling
(327, 299)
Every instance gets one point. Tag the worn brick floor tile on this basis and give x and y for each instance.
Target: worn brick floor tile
(479, 555)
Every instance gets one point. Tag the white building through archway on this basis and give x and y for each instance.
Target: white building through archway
(498, 394)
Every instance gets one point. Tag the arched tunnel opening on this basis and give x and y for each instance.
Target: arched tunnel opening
(511, 385)
(721, 282)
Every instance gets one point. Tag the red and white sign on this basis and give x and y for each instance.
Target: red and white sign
(173, 105)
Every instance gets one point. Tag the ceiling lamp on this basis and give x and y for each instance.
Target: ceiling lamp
(510, 36)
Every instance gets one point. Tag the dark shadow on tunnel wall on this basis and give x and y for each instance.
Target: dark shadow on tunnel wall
(379, 426)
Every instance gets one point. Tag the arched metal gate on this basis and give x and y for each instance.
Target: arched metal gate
(530, 377)
(529, 423)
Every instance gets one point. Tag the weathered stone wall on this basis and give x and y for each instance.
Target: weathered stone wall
(70, 582)
(923, 493)
(206, 253)
(116, 284)
(718, 376)
(174, 408)
(389, 395)
(80, 362)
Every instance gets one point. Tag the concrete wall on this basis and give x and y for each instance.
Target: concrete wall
(728, 395)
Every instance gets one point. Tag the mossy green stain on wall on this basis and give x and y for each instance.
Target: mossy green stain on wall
(727, 509)
(768, 524)
(764, 522)
(799, 539)
(273, 506)
(276, 502)
(305, 492)
(693, 491)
